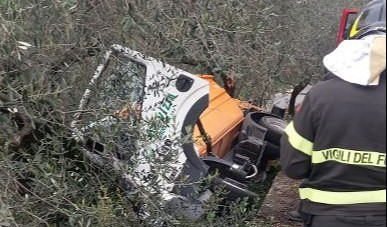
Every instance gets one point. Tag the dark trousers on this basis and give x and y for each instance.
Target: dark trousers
(341, 221)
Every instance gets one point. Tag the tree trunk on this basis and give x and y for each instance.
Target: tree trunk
(229, 83)
(296, 91)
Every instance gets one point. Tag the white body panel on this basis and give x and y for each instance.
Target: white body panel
(162, 101)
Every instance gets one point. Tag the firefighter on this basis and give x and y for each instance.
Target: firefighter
(337, 142)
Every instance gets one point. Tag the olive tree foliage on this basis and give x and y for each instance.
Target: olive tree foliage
(308, 32)
(49, 50)
(262, 43)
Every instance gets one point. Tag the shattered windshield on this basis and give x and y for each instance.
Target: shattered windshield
(115, 107)
(119, 92)
(123, 86)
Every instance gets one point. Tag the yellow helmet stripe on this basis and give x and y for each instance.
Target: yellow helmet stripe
(355, 27)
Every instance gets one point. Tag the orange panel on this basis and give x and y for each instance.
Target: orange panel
(222, 120)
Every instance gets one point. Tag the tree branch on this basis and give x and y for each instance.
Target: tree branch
(296, 91)
(75, 55)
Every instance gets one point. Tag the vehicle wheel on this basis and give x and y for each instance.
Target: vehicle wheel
(252, 129)
(275, 128)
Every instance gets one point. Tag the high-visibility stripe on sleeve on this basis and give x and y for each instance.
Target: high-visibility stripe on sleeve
(297, 141)
(343, 198)
(350, 157)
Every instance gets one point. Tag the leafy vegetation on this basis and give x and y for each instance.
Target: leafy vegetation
(48, 52)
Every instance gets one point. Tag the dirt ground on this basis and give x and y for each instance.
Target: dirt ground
(281, 199)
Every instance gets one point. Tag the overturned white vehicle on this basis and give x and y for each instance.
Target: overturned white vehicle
(190, 129)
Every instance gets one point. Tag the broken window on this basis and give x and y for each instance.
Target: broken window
(115, 107)
(121, 90)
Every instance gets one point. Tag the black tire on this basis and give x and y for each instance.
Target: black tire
(252, 129)
(275, 129)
